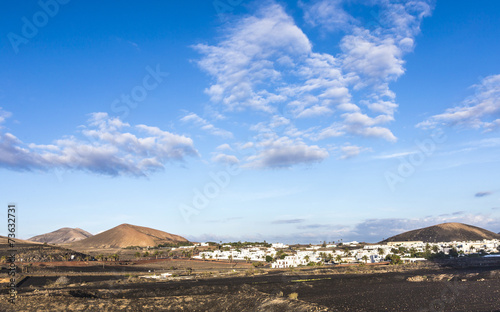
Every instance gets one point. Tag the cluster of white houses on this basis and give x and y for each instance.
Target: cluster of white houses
(284, 257)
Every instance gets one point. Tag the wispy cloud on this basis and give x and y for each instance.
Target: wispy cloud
(106, 146)
(483, 194)
(314, 226)
(477, 111)
(3, 116)
(288, 221)
(350, 151)
(394, 155)
(206, 126)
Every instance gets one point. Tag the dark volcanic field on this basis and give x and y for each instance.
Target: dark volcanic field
(439, 289)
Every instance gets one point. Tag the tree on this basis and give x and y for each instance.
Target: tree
(137, 255)
(269, 259)
(146, 254)
(381, 251)
(413, 252)
(115, 257)
(230, 257)
(324, 244)
(338, 258)
(453, 252)
(435, 248)
(365, 258)
(156, 253)
(203, 256)
(306, 258)
(395, 259)
(257, 264)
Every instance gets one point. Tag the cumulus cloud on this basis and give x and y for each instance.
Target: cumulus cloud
(479, 111)
(329, 15)
(106, 146)
(206, 126)
(225, 159)
(265, 63)
(284, 152)
(224, 147)
(244, 62)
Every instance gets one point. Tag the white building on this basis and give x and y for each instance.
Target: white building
(288, 262)
(279, 245)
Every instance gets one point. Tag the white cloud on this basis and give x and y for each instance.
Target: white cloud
(395, 155)
(242, 63)
(363, 125)
(478, 111)
(265, 61)
(105, 149)
(284, 152)
(225, 159)
(224, 147)
(350, 151)
(3, 116)
(328, 14)
(206, 126)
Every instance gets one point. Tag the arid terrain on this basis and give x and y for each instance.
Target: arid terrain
(222, 286)
(126, 235)
(445, 232)
(118, 270)
(62, 236)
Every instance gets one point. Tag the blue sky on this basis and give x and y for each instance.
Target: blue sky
(251, 120)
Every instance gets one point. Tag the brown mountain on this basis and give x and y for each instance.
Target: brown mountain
(62, 236)
(445, 232)
(4, 240)
(126, 235)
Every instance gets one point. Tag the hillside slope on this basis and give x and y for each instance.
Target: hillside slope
(62, 236)
(445, 232)
(126, 235)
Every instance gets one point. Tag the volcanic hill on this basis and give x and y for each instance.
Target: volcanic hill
(126, 235)
(62, 236)
(445, 232)
(4, 240)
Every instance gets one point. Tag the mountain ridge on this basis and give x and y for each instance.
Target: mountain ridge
(445, 232)
(61, 236)
(125, 235)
